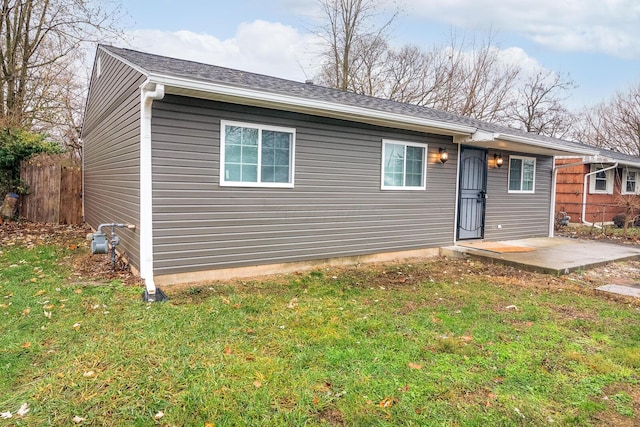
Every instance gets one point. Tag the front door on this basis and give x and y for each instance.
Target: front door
(472, 193)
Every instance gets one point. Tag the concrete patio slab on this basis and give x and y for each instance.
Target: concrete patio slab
(621, 290)
(553, 255)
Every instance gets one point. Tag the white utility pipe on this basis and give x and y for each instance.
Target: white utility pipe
(584, 193)
(554, 180)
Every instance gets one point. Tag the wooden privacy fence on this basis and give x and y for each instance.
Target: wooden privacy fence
(55, 189)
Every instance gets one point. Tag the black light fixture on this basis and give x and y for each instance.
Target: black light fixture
(498, 159)
(444, 156)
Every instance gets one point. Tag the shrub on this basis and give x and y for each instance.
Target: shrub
(17, 145)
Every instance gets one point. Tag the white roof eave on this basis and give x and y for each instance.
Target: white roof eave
(223, 92)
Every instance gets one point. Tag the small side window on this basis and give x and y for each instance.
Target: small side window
(630, 181)
(403, 165)
(601, 182)
(522, 174)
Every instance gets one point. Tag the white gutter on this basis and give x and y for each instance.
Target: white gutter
(554, 178)
(542, 144)
(148, 93)
(584, 192)
(308, 104)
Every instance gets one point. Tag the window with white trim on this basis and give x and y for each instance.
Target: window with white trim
(403, 165)
(630, 181)
(601, 182)
(522, 174)
(253, 155)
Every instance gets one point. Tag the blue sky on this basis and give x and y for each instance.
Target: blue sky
(597, 42)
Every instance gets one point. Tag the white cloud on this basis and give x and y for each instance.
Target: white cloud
(262, 47)
(602, 26)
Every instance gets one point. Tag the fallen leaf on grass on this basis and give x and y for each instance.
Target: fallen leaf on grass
(208, 425)
(47, 314)
(88, 374)
(40, 292)
(6, 415)
(26, 311)
(227, 350)
(293, 303)
(511, 307)
(33, 280)
(257, 384)
(466, 338)
(76, 326)
(225, 300)
(414, 365)
(77, 291)
(159, 415)
(26, 345)
(387, 402)
(24, 408)
(77, 419)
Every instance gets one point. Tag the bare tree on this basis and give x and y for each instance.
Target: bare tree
(354, 43)
(539, 105)
(615, 124)
(40, 44)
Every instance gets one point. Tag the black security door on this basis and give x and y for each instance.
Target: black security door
(473, 191)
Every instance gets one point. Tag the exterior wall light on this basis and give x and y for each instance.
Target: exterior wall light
(498, 159)
(444, 156)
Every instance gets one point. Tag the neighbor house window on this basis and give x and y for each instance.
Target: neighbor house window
(256, 155)
(630, 181)
(403, 165)
(601, 182)
(522, 174)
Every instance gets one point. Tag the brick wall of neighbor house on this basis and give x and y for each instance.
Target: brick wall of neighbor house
(517, 216)
(569, 194)
(111, 138)
(336, 209)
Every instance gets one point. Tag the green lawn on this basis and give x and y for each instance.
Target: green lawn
(439, 343)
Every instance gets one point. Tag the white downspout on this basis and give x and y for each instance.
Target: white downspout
(148, 93)
(584, 192)
(554, 180)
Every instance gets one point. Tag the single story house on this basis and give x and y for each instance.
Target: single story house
(229, 173)
(594, 189)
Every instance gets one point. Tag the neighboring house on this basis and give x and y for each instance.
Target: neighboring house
(228, 173)
(597, 188)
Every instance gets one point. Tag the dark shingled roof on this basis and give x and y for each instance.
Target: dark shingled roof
(162, 65)
(619, 157)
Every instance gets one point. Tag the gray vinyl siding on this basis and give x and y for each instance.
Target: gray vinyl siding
(519, 215)
(111, 137)
(336, 208)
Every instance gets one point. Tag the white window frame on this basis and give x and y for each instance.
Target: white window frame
(623, 189)
(592, 180)
(406, 144)
(260, 127)
(533, 186)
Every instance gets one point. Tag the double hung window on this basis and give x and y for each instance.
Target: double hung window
(522, 174)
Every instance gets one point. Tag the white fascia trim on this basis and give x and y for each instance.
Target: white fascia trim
(543, 144)
(148, 93)
(312, 104)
